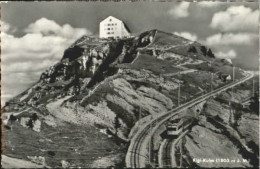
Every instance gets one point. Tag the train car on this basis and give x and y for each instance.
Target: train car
(176, 126)
(173, 127)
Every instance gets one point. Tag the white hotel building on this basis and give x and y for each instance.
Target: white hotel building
(113, 27)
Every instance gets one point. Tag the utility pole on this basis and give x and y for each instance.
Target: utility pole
(181, 144)
(179, 94)
(253, 88)
(230, 111)
(234, 68)
(211, 84)
(181, 151)
(151, 150)
(233, 81)
(150, 144)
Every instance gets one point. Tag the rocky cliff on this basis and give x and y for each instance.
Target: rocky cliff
(102, 87)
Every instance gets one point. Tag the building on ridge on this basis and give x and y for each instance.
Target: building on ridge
(112, 27)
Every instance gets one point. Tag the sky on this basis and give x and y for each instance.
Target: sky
(34, 35)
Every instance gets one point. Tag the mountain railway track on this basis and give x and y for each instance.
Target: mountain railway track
(137, 151)
(137, 146)
(166, 157)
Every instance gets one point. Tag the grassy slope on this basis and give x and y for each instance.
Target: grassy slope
(79, 145)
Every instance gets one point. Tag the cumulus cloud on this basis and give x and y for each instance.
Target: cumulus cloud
(5, 27)
(187, 35)
(231, 54)
(235, 18)
(209, 4)
(40, 47)
(51, 28)
(180, 11)
(43, 43)
(232, 39)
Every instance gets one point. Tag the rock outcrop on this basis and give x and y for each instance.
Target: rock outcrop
(100, 80)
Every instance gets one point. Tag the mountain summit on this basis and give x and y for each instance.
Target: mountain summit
(90, 60)
(105, 86)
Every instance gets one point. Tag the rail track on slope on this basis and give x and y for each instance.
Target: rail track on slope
(136, 156)
(166, 156)
(165, 153)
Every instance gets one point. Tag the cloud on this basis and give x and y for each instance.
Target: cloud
(187, 35)
(5, 27)
(231, 54)
(51, 28)
(209, 4)
(40, 47)
(236, 18)
(43, 44)
(180, 11)
(232, 39)
(15, 83)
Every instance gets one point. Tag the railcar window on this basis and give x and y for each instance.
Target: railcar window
(172, 129)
